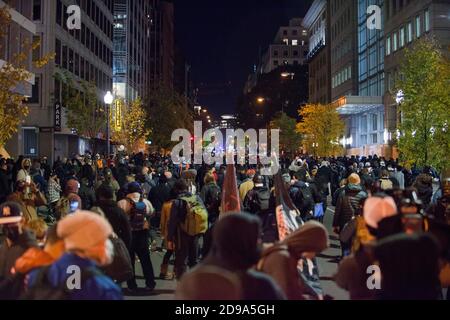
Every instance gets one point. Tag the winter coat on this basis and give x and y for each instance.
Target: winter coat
(9, 255)
(424, 187)
(33, 258)
(87, 196)
(158, 195)
(165, 217)
(29, 203)
(347, 204)
(5, 187)
(97, 287)
(118, 220)
(207, 194)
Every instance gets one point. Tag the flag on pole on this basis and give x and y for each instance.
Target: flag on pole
(286, 212)
(230, 194)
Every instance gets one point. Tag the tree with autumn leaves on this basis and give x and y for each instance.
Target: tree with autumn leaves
(129, 126)
(424, 132)
(13, 73)
(322, 127)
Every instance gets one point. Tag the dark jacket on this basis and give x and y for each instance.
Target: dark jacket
(210, 193)
(235, 249)
(9, 255)
(118, 220)
(424, 187)
(87, 196)
(5, 187)
(159, 194)
(347, 204)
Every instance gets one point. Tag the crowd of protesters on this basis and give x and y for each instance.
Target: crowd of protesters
(104, 214)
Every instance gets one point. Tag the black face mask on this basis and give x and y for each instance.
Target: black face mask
(12, 232)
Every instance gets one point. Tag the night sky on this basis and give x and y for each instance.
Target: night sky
(221, 40)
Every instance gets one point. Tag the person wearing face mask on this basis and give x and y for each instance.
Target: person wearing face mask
(236, 247)
(28, 196)
(18, 239)
(24, 172)
(281, 261)
(86, 240)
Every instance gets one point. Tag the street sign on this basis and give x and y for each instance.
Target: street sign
(58, 111)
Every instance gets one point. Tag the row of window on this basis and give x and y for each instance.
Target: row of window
(343, 22)
(375, 125)
(404, 35)
(344, 47)
(90, 40)
(295, 42)
(393, 7)
(69, 59)
(294, 32)
(276, 63)
(341, 77)
(287, 54)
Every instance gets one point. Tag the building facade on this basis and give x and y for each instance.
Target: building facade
(317, 22)
(343, 44)
(405, 22)
(85, 54)
(289, 47)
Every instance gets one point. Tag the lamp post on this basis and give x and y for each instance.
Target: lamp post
(109, 98)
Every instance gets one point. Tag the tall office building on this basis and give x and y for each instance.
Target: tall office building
(85, 53)
(370, 51)
(143, 47)
(317, 22)
(289, 47)
(133, 21)
(343, 44)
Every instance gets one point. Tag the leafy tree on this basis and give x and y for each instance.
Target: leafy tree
(132, 130)
(425, 111)
(12, 74)
(321, 127)
(84, 112)
(167, 112)
(290, 139)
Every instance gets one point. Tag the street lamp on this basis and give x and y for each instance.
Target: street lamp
(109, 98)
(260, 100)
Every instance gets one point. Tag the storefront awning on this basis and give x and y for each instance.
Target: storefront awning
(349, 109)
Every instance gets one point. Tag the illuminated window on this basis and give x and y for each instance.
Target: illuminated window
(427, 20)
(286, 41)
(388, 46)
(409, 32)
(295, 42)
(418, 30)
(402, 37)
(395, 42)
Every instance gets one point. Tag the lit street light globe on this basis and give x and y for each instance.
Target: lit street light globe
(108, 98)
(261, 100)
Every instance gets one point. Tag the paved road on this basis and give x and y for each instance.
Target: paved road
(327, 267)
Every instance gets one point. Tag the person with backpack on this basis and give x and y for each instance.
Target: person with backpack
(346, 208)
(257, 199)
(188, 222)
(211, 195)
(302, 196)
(139, 212)
(386, 182)
(86, 239)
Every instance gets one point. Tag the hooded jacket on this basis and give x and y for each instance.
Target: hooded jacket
(281, 260)
(235, 248)
(9, 255)
(31, 259)
(97, 287)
